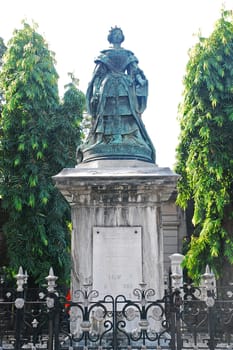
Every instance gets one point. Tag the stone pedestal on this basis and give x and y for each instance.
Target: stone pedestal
(117, 240)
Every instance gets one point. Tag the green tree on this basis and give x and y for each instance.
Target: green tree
(205, 150)
(2, 51)
(37, 231)
(68, 128)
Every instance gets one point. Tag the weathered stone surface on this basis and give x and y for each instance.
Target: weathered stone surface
(117, 259)
(117, 194)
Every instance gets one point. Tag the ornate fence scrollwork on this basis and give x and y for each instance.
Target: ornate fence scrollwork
(187, 317)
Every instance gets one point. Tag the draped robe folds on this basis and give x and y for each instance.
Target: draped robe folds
(116, 98)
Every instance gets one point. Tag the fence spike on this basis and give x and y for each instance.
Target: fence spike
(20, 279)
(51, 272)
(51, 279)
(20, 272)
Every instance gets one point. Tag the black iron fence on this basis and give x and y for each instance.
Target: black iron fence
(186, 317)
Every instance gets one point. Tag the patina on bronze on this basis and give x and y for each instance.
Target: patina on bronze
(116, 98)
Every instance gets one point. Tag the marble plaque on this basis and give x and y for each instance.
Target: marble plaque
(117, 260)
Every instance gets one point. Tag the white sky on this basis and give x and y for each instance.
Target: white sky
(159, 32)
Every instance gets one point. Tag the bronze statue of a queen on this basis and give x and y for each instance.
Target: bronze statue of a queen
(116, 98)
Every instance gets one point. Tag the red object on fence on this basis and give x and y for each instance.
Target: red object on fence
(68, 298)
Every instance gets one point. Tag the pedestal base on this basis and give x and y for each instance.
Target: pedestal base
(116, 197)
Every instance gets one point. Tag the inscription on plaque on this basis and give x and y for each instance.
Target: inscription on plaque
(117, 260)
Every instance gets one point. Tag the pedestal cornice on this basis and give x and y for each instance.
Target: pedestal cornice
(108, 177)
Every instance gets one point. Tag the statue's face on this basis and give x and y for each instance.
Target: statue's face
(117, 37)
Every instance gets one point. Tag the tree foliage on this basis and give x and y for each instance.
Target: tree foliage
(2, 51)
(34, 147)
(69, 128)
(205, 150)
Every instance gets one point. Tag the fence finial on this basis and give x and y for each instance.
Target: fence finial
(20, 279)
(208, 278)
(51, 280)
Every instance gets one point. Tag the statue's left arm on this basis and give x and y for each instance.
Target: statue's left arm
(141, 85)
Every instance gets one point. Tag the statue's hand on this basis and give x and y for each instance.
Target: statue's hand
(140, 80)
(95, 99)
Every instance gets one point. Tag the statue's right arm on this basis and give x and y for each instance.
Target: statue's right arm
(93, 91)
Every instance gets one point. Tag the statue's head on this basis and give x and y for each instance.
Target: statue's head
(116, 36)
